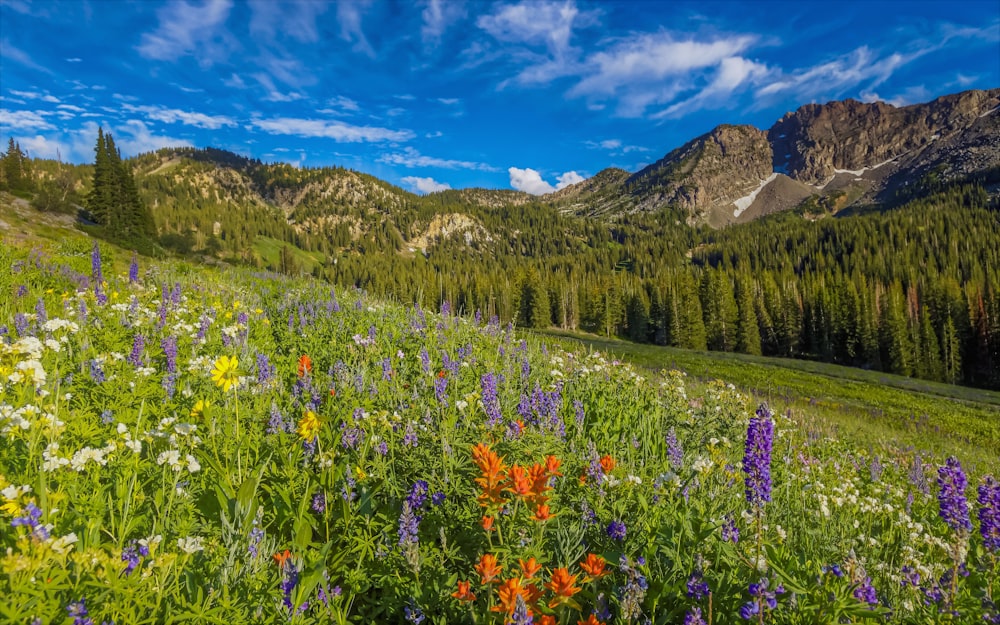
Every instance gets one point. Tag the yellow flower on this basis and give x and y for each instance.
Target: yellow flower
(309, 426)
(199, 409)
(224, 373)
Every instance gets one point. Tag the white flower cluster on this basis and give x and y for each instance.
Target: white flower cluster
(172, 458)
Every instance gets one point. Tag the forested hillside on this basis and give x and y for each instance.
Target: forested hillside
(914, 290)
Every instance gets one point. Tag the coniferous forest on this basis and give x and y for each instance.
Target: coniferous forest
(912, 289)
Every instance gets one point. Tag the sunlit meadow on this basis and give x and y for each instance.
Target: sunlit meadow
(192, 445)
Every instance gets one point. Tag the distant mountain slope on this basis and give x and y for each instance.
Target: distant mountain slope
(864, 151)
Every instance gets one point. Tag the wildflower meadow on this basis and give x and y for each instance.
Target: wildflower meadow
(182, 444)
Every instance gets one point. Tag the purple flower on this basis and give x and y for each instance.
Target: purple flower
(319, 503)
(989, 513)
(41, 316)
(133, 554)
(138, 344)
(693, 617)
(133, 269)
(697, 588)
(425, 360)
(491, 403)
(757, 457)
(96, 372)
(520, 615)
(265, 370)
(382, 448)
(441, 390)
(409, 436)
(20, 324)
(616, 530)
(438, 498)
(351, 437)
(866, 592)
(674, 452)
(256, 535)
(730, 533)
(78, 609)
(413, 613)
(169, 345)
(418, 494)
(954, 509)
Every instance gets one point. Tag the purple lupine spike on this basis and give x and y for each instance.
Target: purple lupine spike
(757, 457)
(954, 509)
(674, 452)
(133, 269)
(138, 344)
(491, 403)
(169, 345)
(989, 513)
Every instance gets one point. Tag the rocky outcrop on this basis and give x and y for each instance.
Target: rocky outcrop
(812, 143)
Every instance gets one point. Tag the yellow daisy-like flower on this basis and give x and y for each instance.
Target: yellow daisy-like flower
(224, 373)
(308, 426)
(199, 409)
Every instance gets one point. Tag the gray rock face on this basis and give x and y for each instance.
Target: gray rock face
(813, 142)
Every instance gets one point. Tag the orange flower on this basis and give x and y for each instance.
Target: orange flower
(561, 585)
(552, 465)
(530, 567)
(463, 593)
(508, 592)
(519, 481)
(546, 619)
(542, 513)
(493, 475)
(593, 566)
(487, 523)
(442, 373)
(539, 481)
(607, 464)
(305, 365)
(488, 568)
(591, 621)
(520, 425)
(282, 558)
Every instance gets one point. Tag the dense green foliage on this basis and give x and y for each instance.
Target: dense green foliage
(15, 170)
(113, 202)
(183, 444)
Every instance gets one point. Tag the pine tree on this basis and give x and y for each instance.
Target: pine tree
(747, 331)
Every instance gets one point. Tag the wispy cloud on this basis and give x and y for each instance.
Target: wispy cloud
(530, 181)
(8, 51)
(862, 68)
(293, 18)
(534, 25)
(424, 185)
(652, 68)
(410, 157)
(614, 146)
(336, 130)
(349, 14)
(437, 16)
(188, 118)
(187, 29)
(24, 120)
(732, 75)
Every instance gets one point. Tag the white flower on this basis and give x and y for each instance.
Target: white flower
(31, 371)
(63, 544)
(192, 464)
(171, 457)
(190, 544)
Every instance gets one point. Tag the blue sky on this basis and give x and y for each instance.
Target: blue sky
(433, 94)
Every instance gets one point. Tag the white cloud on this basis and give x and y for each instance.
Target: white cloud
(9, 52)
(294, 18)
(190, 29)
(135, 138)
(188, 118)
(34, 95)
(71, 108)
(437, 16)
(42, 147)
(74, 60)
(336, 130)
(342, 103)
(859, 68)
(570, 177)
(538, 24)
(350, 14)
(530, 181)
(234, 82)
(651, 68)
(448, 101)
(24, 120)
(733, 74)
(410, 157)
(425, 185)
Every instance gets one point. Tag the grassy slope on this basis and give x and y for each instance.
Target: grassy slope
(867, 407)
